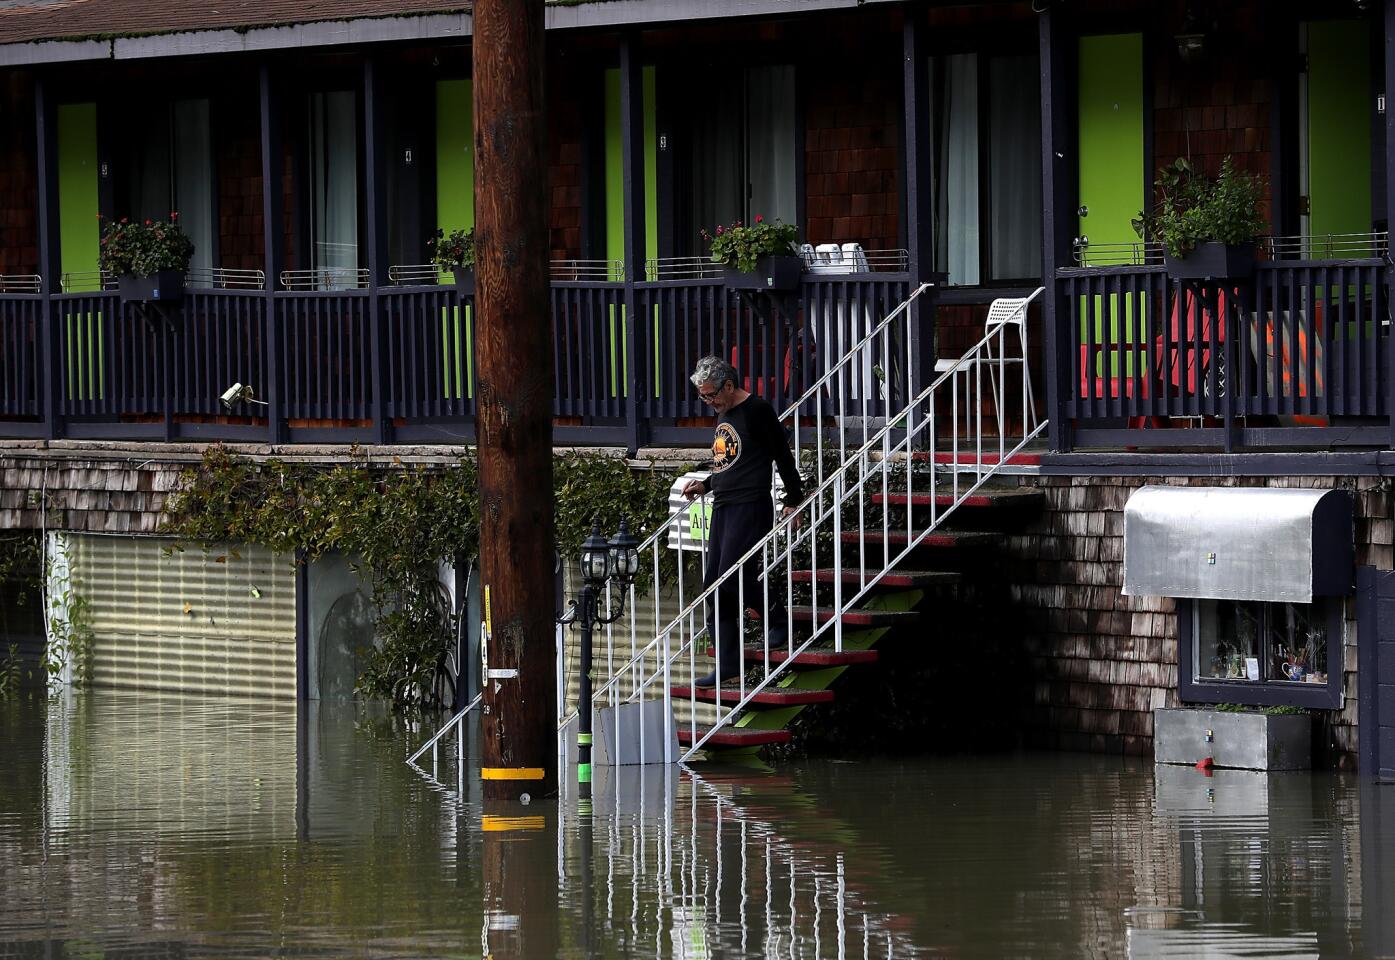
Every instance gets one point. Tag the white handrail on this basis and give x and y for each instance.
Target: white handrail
(973, 361)
(854, 356)
(454, 723)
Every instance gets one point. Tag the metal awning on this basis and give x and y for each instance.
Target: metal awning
(1238, 543)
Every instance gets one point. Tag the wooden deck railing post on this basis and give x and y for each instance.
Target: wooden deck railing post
(376, 207)
(1389, 48)
(920, 220)
(632, 172)
(1057, 189)
(49, 349)
(274, 246)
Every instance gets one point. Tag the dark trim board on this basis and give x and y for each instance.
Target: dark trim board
(1368, 463)
(395, 29)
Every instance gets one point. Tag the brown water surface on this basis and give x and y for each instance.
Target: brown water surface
(140, 826)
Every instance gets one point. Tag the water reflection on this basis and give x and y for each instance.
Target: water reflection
(146, 826)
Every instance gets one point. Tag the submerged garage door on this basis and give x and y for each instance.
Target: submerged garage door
(219, 622)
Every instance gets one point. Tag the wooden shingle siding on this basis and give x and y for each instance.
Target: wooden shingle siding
(1101, 662)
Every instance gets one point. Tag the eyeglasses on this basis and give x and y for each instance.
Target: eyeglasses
(709, 395)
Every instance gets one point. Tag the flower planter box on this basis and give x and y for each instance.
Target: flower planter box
(1248, 741)
(167, 286)
(771, 273)
(464, 281)
(1213, 261)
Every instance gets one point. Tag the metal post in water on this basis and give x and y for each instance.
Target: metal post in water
(583, 705)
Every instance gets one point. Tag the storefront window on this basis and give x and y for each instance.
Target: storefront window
(1239, 647)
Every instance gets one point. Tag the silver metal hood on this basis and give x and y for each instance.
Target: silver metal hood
(1238, 543)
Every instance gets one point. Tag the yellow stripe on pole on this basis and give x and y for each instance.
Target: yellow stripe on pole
(512, 773)
(500, 824)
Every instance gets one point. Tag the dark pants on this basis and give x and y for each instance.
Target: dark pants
(736, 527)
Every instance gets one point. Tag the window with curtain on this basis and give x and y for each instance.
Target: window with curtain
(743, 150)
(193, 177)
(986, 150)
(334, 191)
(175, 173)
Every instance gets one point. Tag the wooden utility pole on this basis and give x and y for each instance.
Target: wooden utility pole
(514, 401)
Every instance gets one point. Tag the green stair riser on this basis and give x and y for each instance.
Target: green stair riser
(861, 639)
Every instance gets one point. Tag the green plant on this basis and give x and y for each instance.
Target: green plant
(145, 248)
(68, 622)
(11, 670)
(453, 250)
(1193, 208)
(1278, 711)
(401, 522)
(740, 246)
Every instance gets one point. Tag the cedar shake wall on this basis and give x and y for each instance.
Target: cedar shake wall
(19, 179)
(1100, 662)
(239, 168)
(564, 138)
(852, 153)
(1220, 106)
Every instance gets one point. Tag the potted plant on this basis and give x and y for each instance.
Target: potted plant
(149, 259)
(455, 252)
(1207, 227)
(762, 256)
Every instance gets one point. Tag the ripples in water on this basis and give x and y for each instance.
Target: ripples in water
(148, 826)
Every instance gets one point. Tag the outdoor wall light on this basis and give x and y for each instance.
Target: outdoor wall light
(595, 557)
(1192, 38)
(240, 393)
(624, 554)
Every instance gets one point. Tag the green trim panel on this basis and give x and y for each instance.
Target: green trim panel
(1339, 127)
(455, 159)
(615, 169)
(78, 229)
(1112, 166)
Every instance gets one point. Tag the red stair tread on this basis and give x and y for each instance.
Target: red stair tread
(809, 658)
(778, 697)
(733, 737)
(969, 457)
(896, 579)
(990, 498)
(947, 538)
(856, 618)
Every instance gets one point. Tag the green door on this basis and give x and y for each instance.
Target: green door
(455, 210)
(1112, 176)
(615, 210)
(79, 238)
(78, 228)
(1337, 141)
(1111, 137)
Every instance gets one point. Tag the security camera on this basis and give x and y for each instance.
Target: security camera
(240, 393)
(233, 395)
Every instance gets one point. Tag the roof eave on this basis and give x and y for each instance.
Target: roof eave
(395, 28)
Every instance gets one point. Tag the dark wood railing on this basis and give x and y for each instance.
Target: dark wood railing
(1297, 355)
(396, 364)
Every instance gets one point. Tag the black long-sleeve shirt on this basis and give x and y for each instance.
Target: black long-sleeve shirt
(748, 440)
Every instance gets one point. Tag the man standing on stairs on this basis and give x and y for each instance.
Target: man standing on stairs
(748, 440)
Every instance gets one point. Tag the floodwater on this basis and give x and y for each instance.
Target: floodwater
(141, 826)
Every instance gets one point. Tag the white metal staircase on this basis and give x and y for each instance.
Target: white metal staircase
(860, 450)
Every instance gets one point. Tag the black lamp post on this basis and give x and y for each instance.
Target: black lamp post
(602, 561)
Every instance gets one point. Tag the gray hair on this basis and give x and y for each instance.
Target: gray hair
(714, 370)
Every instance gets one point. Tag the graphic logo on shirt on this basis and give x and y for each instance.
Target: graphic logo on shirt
(726, 448)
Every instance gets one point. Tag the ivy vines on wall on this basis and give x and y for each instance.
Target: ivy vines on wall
(29, 575)
(400, 522)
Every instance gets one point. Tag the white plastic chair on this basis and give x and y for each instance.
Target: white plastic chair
(1003, 312)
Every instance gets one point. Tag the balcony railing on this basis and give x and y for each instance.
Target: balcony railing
(396, 363)
(1295, 355)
